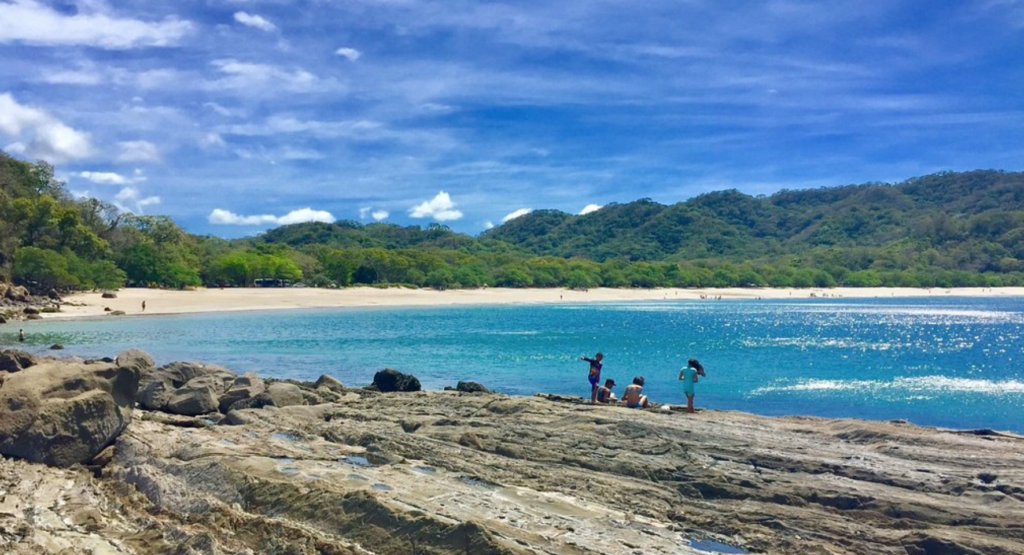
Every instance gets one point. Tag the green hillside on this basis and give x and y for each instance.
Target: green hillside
(946, 229)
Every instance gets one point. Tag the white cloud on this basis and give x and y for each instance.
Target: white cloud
(32, 22)
(380, 215)
(212, 140)
(226, 112)
(516, 214)
(256, 21)
(226, 217)
(73, 77)
(590, 208)
(249, 76)
(364, 211)
(350, 53)
(47, 137)
(488, 225)
(138, 151)
(112, 178)
(130, 200)
(440, 208)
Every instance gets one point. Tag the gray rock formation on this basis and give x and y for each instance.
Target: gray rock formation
(391, 380)
(198, 396)
(329, 383)
(13, 360)
(471, 387)
(243, 388)
(285, 394)
(65, 413)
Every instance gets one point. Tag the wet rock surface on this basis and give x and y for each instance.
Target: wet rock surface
(444, 473)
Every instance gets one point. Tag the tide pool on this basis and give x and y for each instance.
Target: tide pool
(947, 361)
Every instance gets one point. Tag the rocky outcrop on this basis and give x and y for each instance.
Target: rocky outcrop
(134, 358)
(243, 388)
(329, 383)
(13, 360)
(471, 387)
(198, 396)
(285, 394)
(390, 380)
(18, 294)
(109, 295)
(61, 413)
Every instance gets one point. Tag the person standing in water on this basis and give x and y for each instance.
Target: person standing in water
(688, 375)
(595, 375)
(21, 335)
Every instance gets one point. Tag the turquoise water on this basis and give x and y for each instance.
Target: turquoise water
(945, 361)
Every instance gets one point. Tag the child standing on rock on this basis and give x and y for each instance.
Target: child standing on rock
(595, 375)
(688, 375)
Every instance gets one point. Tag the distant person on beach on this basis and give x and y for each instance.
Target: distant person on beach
(604, 394)
(21, 335)
(688, 375)
(633, 395)
(143, 306)
(595, 374)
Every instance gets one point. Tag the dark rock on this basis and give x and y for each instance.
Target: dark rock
(987, 477)
(389, 380)
(2, 319)
(14, 361)
(285, 394)
(61, 414)
(243, 387)
(31, 310)
(154, 395)
(257, 402)
(18, 294)
(920, 544)
(33, 317)
(109, 295)
(116, 313)
(471, 387)
(53, 294)
(56, 347)
(410, 426)
(329, 383)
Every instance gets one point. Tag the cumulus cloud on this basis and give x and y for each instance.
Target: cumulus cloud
(47, 137)
(129, 199)
(226, 217)
(112, 178)
(516, 214)
(255, 21)
(440, 208)
(350, 53)
(488, 225)
(33, 22)
(377, 214)
(137, 151)
(590, 208)
(380, 215)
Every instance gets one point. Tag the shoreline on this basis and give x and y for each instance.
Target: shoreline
(167, 302)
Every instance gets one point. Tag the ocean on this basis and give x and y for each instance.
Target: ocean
(949, 361)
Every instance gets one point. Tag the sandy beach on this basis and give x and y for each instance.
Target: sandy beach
(220, 300)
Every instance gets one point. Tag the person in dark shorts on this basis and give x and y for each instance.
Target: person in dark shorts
(595, 374)
(604, 393)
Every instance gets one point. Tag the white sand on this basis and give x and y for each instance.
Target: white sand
(220, 300)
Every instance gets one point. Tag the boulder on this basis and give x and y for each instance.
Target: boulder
(2, 319)
(30, 310)
(115, 312)
(14, 361)
(244, 387)
(471, 387)
(180, 373)
(18, 294)
(56, 347)
(329, 383)
(134, 358)
(61, 413)
(193, 400)
(285, 394)
(389, 380)
(259, 401)
(109, 295)
(155, 395)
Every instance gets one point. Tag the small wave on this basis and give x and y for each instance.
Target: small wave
(513, 333)
(917, 385)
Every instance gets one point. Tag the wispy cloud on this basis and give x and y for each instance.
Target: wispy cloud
(32, 22)
(47, 137)
(137, 151)
(349, 53)
(221, 216)
(516, 214)
(129, 199)
(255, 21)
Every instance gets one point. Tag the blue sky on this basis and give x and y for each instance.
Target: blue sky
(234, 116)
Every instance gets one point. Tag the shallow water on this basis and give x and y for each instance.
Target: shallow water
(937, 361)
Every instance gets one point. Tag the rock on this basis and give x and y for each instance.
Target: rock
(180, 373)
(471, 387)
(109, 295)
(154, 395)
(2, 319)
(285, 394)
(329, 383)
(61, 414)
(30, 310)
(56, 347)
(14, 361)
(389, 380)
(33, 317)
(134, 358)
(194, 398)
(53, 294)
(115, 312)
(920, 544)
(18, 294)
(244, 387)
(259, 401)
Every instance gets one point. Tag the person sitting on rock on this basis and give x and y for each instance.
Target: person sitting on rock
(633, 395)
(604, 394)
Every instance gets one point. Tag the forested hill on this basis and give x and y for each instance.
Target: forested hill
(972, 221)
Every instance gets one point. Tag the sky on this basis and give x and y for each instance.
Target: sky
(236, 116)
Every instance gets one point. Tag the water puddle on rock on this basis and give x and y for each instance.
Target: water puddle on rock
(290, 470)
(356, 460)
(382, 487)
(356, 477)
(426, 469)
(712, 546)
(476, 482)
(285, 460)
(285, 436)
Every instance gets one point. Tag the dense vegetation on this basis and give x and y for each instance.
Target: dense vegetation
(949, 229)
